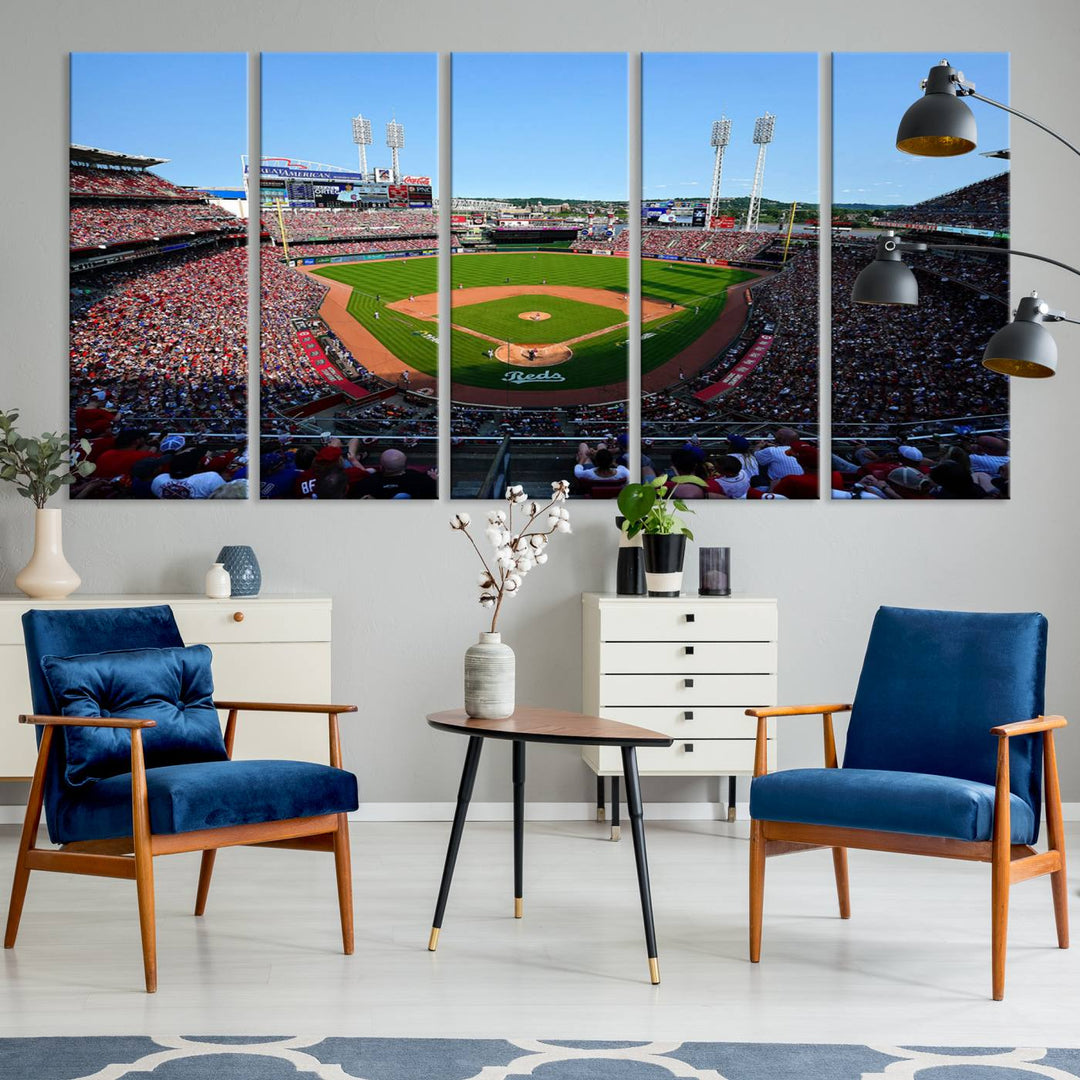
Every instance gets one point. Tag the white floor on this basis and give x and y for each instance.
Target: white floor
(911, 966)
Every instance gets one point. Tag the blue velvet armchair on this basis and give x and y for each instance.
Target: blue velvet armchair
(947, 753)
(132, 763)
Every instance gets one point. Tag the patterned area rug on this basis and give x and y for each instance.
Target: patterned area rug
(284, 1058)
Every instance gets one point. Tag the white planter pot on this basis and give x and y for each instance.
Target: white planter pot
(218, 582)
(489, 678)
(48, 575)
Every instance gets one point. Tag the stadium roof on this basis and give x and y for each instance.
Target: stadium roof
(91, 155)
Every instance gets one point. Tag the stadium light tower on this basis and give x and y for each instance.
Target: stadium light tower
(361, 135)
(395, 140)
(763, 133)
(720, 137)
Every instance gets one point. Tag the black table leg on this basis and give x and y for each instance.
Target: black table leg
(468, 778)
(519, 826)
(600, 798)
(615, 800)
(731, 798)
(637, 827)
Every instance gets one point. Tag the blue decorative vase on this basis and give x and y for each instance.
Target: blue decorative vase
(243, 568)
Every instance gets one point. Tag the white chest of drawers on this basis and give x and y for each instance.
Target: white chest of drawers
(686, 666)
(266, 648)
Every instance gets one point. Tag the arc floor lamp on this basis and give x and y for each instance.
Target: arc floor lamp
(941, 124)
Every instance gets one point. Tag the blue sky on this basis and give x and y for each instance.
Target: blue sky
(871, 91)
(551, 124)
(309, 100)
(683, 93)
(188, 107)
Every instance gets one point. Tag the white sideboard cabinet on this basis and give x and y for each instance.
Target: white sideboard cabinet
(266, 648)
(687, 666)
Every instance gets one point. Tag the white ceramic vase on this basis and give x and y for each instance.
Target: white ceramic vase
(489, 678)
(48, 575)
(218, 582)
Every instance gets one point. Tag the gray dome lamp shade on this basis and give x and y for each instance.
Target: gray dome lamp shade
(1023, 348)
(939, 124)
(887, 280)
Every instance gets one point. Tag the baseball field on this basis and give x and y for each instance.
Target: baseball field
(560, 318)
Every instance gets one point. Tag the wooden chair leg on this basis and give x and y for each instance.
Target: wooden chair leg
(28, 840)
(343, 867)
(206, 871)
(144, 861)
(757, 888)
(1000, 871)
(839, 858)
(1055, 829)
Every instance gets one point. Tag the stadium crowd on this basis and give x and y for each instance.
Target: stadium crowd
(103, 224)
(164, 342)
(355, 247)
(133, 183)
(981, 205)
(725, 245)
(902, 365)
(350, 223)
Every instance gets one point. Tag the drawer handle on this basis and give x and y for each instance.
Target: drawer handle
(688, 684)
(688, 747)
(689, 616)
(689, 649)
(238, 616)
(688, 715)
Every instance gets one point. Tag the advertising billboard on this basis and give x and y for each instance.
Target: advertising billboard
(419, 194)
(723, 223)
(398, 195)
(699, 217)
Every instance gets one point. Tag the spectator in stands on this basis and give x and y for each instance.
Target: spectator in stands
(991, 457)
(394, 479)
(129, 447)
(187, 478)
(804, 484)
(774, 459)
(732, 477)
(598, 466)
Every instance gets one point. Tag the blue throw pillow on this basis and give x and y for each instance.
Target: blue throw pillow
(172, 686)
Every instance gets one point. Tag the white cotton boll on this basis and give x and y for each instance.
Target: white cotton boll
(533, 509)
(497, 517)
(563, 526)
(485, 580)
(541, 559)
(553, 519)
(487, 601)
(494, 536)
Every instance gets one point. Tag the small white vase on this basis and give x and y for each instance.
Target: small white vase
(489, 679)
(48, 575)
(218, 582)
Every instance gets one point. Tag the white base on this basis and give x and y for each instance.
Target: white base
(664, 583)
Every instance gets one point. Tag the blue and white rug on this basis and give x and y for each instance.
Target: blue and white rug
(285, 1058)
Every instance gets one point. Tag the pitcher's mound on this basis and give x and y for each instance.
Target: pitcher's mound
(534, 356)
(535, 316)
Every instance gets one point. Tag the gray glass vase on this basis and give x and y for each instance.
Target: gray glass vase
(239, 560)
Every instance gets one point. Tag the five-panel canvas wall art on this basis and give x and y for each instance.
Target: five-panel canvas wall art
(554, 284)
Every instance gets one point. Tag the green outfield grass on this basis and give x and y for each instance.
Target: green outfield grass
(599, 361)
(501, 319)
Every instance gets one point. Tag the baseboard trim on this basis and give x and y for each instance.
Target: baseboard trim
(12, 814)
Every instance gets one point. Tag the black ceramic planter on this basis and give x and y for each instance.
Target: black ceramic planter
(664, 554)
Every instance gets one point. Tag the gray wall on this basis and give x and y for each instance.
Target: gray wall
(402, 584)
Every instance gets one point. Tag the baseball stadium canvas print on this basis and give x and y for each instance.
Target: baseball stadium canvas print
(539, 293)
(349, 268)
(920, 284)
(729, 273)
(158, 274)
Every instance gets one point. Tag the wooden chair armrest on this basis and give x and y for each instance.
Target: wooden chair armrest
(279, 706)
(797, 710)
(1029, 727)
(87, 721)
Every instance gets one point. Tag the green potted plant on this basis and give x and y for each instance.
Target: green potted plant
(39, 468)
(653, 511)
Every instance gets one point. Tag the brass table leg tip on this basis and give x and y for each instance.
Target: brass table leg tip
(600, 814)
(654, 971)
(519, 907)
(433, 940)
(616, 832)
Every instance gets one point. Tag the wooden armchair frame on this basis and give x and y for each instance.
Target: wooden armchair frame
(1009, 862)
(132, 857)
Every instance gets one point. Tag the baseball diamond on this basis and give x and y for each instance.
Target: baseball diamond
(532, 310)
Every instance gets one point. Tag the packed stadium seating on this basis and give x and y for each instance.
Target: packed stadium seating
(728, 245)
(132, 183)
(329, 224)
(357, 247)
(117, 222)
(893, 365)
(982, 205)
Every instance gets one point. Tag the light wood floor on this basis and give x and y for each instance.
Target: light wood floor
(912, 965)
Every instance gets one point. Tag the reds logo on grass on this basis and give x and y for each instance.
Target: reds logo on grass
(532, 377)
